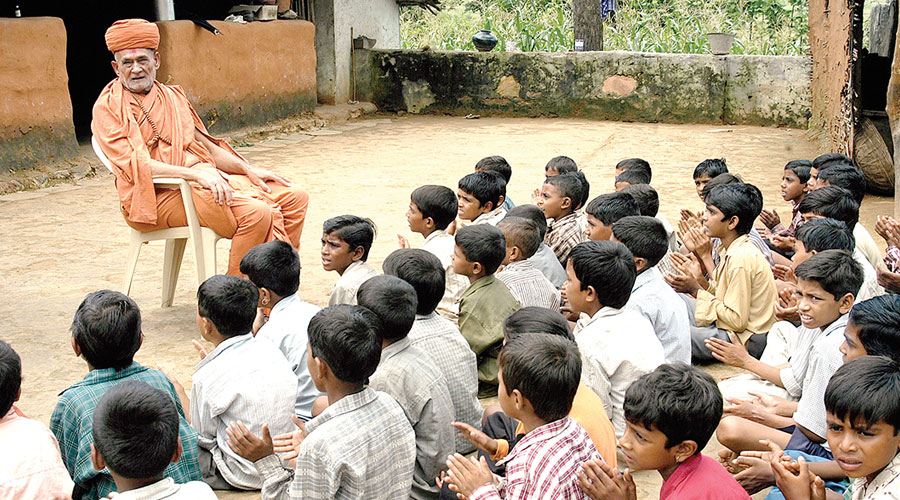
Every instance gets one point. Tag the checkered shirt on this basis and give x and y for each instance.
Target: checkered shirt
(529, 285)
(562, 236)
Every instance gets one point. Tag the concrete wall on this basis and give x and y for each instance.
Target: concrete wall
(248, 75)
(378, 19)
(35, 108)
(629, 86)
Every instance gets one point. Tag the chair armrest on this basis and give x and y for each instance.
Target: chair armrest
(170, 182)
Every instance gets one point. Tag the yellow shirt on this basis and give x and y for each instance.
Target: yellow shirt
(741, 294)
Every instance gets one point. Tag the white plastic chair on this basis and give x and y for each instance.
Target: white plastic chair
(202, 238)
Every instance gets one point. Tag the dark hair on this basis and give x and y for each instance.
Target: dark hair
(711, 167)
(720, 180)
(346, 338)
(743, 201)
(495, 164)
(610, 207)
(636, 165)
(274, 265)
(521, 232)
(646, 197)
(482, 243)
(832, 202)
(533, 319)
(356, 231)
(645, 237)
(135, 429)
(10, 376)
(829, 159)
(437, 202)
(836, 271)
(846, 176)
(485, 186)
(866, 391)
(825, 234)
(632, 177)
(562, 164)
(876, 320)
(229, 302)
(800, 168)
(393, 301)
(532, 213)
(421, 269)
(608, 267)
(572, 185)
(679, 400)
(107, 329)
(546, 369)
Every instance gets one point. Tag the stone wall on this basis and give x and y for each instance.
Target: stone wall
(627, 86)
(35, 108)
(248, 75)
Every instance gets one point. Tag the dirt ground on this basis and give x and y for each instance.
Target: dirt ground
(63, 242)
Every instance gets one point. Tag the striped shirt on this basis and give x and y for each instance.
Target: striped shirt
(360, 447)
(543, 464)
(529, 286)
(562, 236)
(441, 340)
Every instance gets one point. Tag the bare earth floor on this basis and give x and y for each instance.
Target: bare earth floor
(63, 242)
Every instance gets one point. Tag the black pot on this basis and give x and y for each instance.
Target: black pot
(484, 41)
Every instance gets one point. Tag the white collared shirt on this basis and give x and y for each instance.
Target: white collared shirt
(492, 217)
(166, 489)
(344, 291)
(441, 245)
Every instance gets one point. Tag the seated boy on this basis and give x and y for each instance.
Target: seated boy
(863, 405)
(605, 210)
(135, 430)
(410, 376)
(438, 337)
(559, 165)
(544, 259)
(361, 445)
(431, 210)
(346, 241)
(274, 267)
(538, 381)
(106, 332)
(706, 171)
(31, 468)
(648, 204)
(739, 298)
(754, 235)
(478, 253)
(872, 329)
(645, 238)
(793, 189)
(629, 178)
(561, 196)
(242, 379)
(480, 198)
(527, 284)
(499, 165)
(617, 345)
(671, 414)
(637, 165)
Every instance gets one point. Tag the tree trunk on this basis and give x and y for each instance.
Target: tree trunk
(588, 23)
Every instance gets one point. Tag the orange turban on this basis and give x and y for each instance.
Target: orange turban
(132, 34)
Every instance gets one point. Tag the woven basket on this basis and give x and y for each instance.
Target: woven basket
(874, 159)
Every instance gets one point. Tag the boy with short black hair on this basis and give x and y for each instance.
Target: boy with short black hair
(671, 414)
(31, 468)
(346, 241)
(274, 268)
(604, 210)
(645, 237)
(480, 198)
(538, 381)
(479, 251)
(561, 196)
(846, 176)
(544, 259)
(527, 284)
(706, 171)
(793, 189)
(872, 329)
(499, 165)
(242, 379)
(629, 178)
(647, 200)
(361, 445)
(431, 210)
(838, 203)
(635, 165)
(438, 337)
(135, 429)
(412, 379)
(559, 165)
(106, 332)
(617, 344)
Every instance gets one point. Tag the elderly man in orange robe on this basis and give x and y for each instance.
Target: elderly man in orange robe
(148, 130)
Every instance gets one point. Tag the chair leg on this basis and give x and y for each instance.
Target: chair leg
(134, 251)
(171, 266)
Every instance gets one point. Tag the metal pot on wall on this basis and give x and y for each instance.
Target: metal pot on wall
(484, 40)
